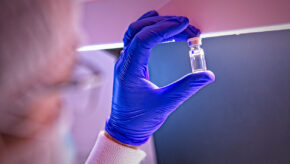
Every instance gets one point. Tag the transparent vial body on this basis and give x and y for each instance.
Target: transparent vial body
(197, 59)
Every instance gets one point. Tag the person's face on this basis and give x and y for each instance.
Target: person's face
(60, 67)
(44, 106)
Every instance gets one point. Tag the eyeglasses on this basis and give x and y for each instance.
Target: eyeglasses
(81, 92)
(81, 88)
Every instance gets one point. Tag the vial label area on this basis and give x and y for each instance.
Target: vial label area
(198, 63)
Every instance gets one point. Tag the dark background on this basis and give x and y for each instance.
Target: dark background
(242, 118)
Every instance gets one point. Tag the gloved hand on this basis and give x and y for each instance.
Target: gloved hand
(139, 107)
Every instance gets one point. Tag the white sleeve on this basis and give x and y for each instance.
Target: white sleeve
(107, 151)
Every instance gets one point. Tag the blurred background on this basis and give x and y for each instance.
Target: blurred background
(244, 117)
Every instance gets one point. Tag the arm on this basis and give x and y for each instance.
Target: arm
(139, 107)
(108, 150)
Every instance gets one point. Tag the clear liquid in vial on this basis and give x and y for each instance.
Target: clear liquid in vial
(197, 62)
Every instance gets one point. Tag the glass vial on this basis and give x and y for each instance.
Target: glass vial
(196, 55)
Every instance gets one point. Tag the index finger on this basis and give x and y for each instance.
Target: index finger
(138, 53)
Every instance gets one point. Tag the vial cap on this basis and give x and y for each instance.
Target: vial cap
(194, 41)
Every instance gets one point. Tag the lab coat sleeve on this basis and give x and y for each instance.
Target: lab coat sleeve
(107, 151)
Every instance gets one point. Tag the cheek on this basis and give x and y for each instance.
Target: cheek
(45, 109)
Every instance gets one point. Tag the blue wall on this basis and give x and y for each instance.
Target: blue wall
(244, 117)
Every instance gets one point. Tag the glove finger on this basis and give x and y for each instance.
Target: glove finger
(189, 32)
(137, 26)
(179, 91)
(151, 13)
(148, 37)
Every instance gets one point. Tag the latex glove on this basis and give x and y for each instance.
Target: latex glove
(139, 107)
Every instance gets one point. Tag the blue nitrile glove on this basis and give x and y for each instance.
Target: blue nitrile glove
(139, 107)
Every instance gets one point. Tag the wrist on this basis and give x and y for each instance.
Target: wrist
(118, 142)
(132, 134)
